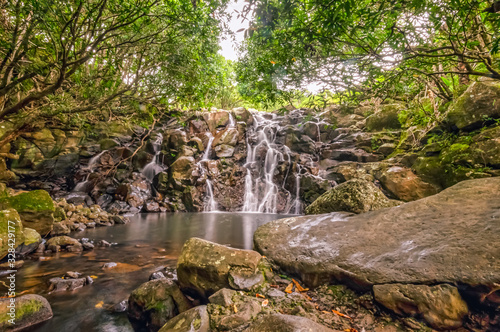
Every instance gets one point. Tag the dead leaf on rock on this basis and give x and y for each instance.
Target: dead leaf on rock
(289, 288)
(341, 314)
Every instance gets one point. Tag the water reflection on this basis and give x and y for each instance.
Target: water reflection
(149, 241)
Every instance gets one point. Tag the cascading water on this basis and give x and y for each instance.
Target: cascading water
(211, 204)
(154, 167)
(80, 186)
(261, 192)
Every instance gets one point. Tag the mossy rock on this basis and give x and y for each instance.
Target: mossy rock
(478, 105)
(35, 208)
(10, 217)
(356, 196)
(32, 240)
(385, 118)
(108, 143)
(29, 310)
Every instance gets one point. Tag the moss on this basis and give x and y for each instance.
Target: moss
(36, 200)
(26, 308)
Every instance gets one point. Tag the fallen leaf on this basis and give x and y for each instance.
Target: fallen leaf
(93, 277)
(289, 288)
(299, 287)
(99, 305)
(259, 295)
(341, 314)
(351, 330)
(265, 303)
(234, 308)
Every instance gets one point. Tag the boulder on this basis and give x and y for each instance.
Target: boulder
(193, 320)
(35, 208)
(155, 302)
(476, 106)
(285, 323)
(385, 118)
(205, 267)
(228, 136)
(182, 168)
(64, 242)
(405, 185)
(63, 285)
(29, 310)
(31, 242)
(243, 115)
(11, 218)
(415, 243)
(216, 119)
(355, 196)
(441, 306)
(224, 151)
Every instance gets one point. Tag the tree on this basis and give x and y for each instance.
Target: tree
(362, 49)
(61, 58)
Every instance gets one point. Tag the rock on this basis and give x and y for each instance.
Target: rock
(62, 285)
(475, 106)
(405, 185)
(246, 310)
(10, 217)
(216, 119)
(244, 279)
(224, 151)
(35, 208)
(385, 118)
(64, 242)
(58, 228)
(108, 143)
(155, 302)
(87, 246)
(193, 320)
(241, 114)
(228, 136)
(222, 297)
(29, 310)
(441, 306)
(72, 275)
(414, 243)
(156, 275)
(103, 244)
(121, 306)
(31, 242)
(182, 168)
(204, 267)
(355, 195)
(120, 219)
(386, 149)
(285, 323)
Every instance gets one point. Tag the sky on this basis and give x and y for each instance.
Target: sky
(228, 45)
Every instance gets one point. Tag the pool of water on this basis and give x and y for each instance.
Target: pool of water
(142, 246)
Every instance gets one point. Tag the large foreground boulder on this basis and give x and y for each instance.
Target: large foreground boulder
(205, 267)
(10, 223)
(286, 323)
(352, 196)
(35, 207)
(29, 310)
(451, 237)
(155, 302)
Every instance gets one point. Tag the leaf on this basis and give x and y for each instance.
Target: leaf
(341, 314)
(289, 288)
(259, 295)
(299, 287)
(265, 303)
(99, 304)
(234, 308)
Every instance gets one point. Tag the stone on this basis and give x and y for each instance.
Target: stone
(222, 297)
(10, 217)
(182, 168)
(415, 243)
(30, 310)
(108, 143)
(355, 196)
(228, 136)
(224, 151)
(241, 114)
(120, 219)
(385, 118)
(193, 320)
(62, 285)
(405, 185)
(35, 208)
(155, 302)
(64, 242)
(58, 228)
(31, 242)
(121, 306)
(476, 106)
(204, 267)
(285, 323)
(441, 306)
(243, 279)
(215, 120)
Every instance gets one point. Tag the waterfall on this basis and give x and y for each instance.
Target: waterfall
(154, 167)
(261, 192)
(297, 203)
(232, 124)
(211, 204)
(80, 186)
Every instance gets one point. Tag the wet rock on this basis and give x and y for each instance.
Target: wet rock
(193, 320)
(232, 319)
(355, 195)
(224, 151)
(104, 200)
(223, 297)
(64, 242)
(29, 310)
(182, 168)
(72, 275)
(228, 136)
(152, 206)
(155, 302)
(156, 275)
(244, 279)
(121, 306)
(414, 243)
(385, 118)
(35, 208)
(109, 265)
(204, 267)
(103, 244)
(31, 242)
(472, 109)
(278, 322)
(62, 285)
(405, 185)
(120, 219)
(441, 306)
(59, 229)
(215, 120)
